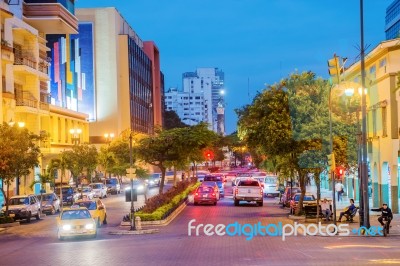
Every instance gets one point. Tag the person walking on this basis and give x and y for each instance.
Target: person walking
(339, 189)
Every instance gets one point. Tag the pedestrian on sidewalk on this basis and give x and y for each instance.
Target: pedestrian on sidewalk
(326, 209)
(385, 215)
(183, 176)
(347, 211)
(340, 190)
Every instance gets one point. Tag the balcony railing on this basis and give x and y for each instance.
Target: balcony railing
(25, 61)
(43, 66)
(44, 106)
(68, 4)
(25, 98)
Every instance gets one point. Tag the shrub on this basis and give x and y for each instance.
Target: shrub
(170, 202)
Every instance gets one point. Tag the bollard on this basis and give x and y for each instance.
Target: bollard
(138, 223)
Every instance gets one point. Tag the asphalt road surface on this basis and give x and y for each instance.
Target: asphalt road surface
(36, 243)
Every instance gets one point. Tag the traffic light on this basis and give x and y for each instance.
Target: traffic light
(331, 162)
(336, 67)
(209, 155)
(339, 171)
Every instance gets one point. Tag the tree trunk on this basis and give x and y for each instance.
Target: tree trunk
(7, 197)
(161, 188)
(302, 179)
(175, 181)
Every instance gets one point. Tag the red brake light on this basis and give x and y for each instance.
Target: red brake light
(236, 190)
(197, 194)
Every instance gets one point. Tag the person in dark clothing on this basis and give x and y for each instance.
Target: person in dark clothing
(386, 215)
(347, 211)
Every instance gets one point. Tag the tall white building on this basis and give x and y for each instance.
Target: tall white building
(199, 99)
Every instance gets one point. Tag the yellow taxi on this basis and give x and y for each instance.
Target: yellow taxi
(96, 209)
(76, 221)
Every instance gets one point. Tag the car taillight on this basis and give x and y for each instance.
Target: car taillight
(236, 191)
(196, 194)
(213, 194)
(261, 191)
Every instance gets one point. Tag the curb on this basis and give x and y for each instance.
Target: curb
(297, 218)
(137, 232)
(164, 222)
(2, 229)
(9, 225)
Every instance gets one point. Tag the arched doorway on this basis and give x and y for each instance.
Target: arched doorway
(386, 184)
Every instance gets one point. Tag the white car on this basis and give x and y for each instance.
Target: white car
(85, 192)
(23, 207)
(99, 190)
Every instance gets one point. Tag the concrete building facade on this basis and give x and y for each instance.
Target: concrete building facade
(24, 69)
(382, 65)
(127, 76)
(201, 96)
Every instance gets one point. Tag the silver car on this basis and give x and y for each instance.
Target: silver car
(99, 190)
(50, 202)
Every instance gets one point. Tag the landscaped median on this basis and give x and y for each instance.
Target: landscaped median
(163, 208)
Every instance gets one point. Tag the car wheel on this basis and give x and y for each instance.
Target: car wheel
(261, 203)
(28, 219)
(236, 203)
(215, 203)
(105, 219)
(38, 215)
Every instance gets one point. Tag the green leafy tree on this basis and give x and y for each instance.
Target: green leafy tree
(19, 153)
(43, 179)
(172, 120)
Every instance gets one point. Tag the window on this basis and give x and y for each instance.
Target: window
(384, 122)
(382, 62)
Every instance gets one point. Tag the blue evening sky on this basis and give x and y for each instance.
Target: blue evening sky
(260, 41)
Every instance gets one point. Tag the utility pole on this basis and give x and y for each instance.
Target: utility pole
(364, 198)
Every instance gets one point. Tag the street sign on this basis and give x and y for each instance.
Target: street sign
(133, 175)
(131, 170)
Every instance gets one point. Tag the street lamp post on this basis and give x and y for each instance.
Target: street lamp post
(109, 137)
(332, 172)
(133, 227)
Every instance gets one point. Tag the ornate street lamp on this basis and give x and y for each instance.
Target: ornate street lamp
(75, 133)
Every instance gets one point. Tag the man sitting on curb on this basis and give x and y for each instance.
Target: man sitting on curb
(326, 210)
(347, 211)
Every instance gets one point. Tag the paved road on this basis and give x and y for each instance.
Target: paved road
(36, 243)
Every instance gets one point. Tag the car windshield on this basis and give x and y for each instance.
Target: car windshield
(85, 189)
(213, 178)
(67, 190)
(19, 201)
(96, 186)
(248, 183)
(243, 175)
(205, 189)
(111, 181)
(47, 197)
(208, 183)
(75, 214)
(306, 198)
(90, 205)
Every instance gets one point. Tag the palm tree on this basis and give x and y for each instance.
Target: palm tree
(43, 179)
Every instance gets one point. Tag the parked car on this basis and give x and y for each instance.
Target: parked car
(75, 221)
(113, 185)
(99, 190)
(85, 192)
(248, 190)
(212, 184)
(96, 208)
(308, 199)
(154, 180)
(205, 194)
(288, 194)
(219, 179)
(50, 202)
(23, 207)
(69, 194)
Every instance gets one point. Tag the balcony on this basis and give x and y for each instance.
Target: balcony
(7, 53)
(25, 98)
(25, 61)
(43, 66)
(51, 16)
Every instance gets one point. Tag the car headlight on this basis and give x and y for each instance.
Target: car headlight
(66, 227)
(48, 205)
(89, 226)
(141, 187)
(151, 182)
(69, 197)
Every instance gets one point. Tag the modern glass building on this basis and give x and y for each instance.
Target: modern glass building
(392, 21)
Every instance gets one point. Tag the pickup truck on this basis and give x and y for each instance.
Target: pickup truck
(248, 190)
